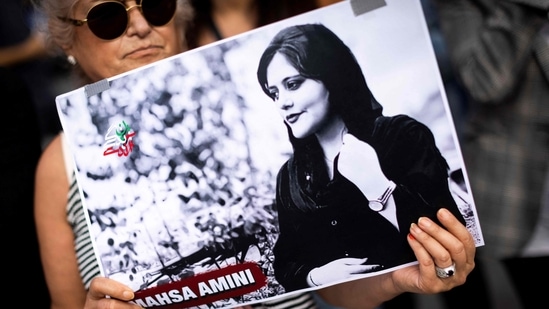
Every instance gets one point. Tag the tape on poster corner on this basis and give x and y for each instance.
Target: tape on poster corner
(97, 87)
(364, 6)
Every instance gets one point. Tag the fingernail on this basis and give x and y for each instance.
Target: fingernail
(411, 236)
(128, 294)
(414, 228)
(424, 222)
(444, 213)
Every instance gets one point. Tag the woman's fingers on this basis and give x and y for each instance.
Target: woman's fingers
(459, 231)
(101, 287)
(440, 243)
(446, 245)
(427, 280)
(108, 293)
(437, 246)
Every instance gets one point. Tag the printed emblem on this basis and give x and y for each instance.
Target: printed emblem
(119, 140)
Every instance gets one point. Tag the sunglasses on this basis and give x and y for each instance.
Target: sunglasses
(109, 20)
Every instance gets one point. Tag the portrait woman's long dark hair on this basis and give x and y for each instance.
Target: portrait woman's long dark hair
(318, 53)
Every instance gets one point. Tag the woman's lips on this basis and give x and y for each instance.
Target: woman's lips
(292, 118)
(143, 52)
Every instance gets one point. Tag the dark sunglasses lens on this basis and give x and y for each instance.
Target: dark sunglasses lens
(108, 20)
(158, 12)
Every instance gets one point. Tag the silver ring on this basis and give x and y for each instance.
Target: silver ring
(446, 272)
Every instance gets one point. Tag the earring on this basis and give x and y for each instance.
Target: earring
(71, 59)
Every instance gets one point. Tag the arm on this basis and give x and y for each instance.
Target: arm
(432, 245)
(31, 48)
(56, 240)
(55, 235)
(489, 43)
(19, 41)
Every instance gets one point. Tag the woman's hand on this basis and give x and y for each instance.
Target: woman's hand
(108, 293)
(111, 294)
(432, 245)
(436, 246)
(339, 269)
(367, 175)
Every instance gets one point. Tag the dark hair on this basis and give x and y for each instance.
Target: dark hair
(318, 53)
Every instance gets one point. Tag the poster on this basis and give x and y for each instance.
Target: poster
(177, 163)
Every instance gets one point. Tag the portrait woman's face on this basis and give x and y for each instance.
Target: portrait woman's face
(302, 102)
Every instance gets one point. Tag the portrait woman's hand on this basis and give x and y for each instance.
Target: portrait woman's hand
(108, 293)
(359, 163)
(339, 269)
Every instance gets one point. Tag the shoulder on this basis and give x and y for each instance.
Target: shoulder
(401, 134)
(283, 183)
(52, 156)
(396, 121)
(283, 173)
(402, 126)
(51, 171)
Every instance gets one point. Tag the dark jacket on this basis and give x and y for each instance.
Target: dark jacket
(342, 225)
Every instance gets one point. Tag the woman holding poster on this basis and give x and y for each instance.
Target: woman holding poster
(135, 34)
(357, 180)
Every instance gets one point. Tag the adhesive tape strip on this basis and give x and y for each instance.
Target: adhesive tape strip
(364, 6)
(97, 87)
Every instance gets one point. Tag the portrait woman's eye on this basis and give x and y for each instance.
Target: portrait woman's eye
(274, 94)
(294, 83)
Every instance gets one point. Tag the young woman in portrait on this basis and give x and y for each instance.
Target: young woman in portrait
(357, 180)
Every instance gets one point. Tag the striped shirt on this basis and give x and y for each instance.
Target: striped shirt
(87, 262)
(294, 301)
